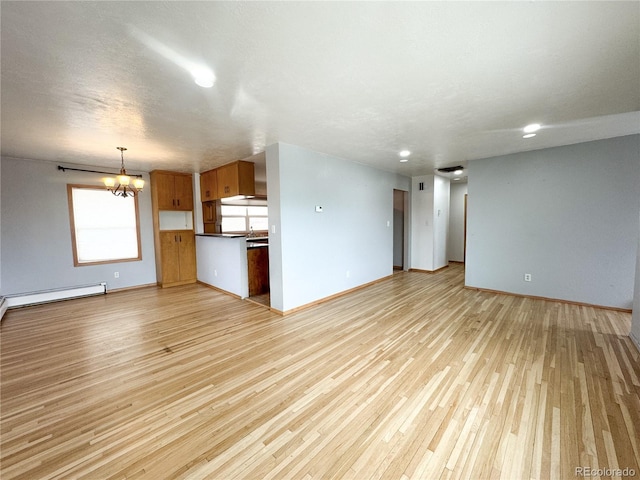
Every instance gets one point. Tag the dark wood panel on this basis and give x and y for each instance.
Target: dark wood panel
(258, 266)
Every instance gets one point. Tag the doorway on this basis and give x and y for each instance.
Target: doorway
(400, 228)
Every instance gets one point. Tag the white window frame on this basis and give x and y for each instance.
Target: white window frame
(246, 217)
(77, 256)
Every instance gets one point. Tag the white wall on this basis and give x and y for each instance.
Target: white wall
(422, 204)
(36, 235)
(222, 263)
(398, 228)
(456, 222)
(429, 222)
(566, 215)
(440, 221)
(315, 255)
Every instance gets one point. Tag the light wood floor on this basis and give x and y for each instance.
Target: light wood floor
(414, 377)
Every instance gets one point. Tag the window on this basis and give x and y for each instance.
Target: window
(242, 218)
(104, 228)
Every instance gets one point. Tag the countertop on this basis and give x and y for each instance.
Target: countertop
(221, 235)
(252, 242)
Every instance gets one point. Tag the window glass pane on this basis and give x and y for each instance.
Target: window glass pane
(105, 226)
(259, 223)
(258, 211)
(234, 224)
(233, 210)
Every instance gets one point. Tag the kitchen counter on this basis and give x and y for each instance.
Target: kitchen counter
(234, 263)
(222, 262)
(221, 235)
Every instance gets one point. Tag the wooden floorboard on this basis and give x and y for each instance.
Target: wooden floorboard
(414, 377)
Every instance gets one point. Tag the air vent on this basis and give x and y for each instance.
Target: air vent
(450, 169)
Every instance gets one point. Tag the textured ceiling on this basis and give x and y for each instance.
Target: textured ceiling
(450, 81)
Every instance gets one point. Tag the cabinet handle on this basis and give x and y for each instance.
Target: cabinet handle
(207, 194)
(173, 202)
(180, 237)
(178, 202)
(175, 238)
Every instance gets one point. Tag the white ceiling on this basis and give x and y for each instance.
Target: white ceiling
(450, 81)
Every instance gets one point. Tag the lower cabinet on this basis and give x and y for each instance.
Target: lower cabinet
(177, 257)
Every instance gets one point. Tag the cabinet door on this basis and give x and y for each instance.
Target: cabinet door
(209, 212)
(170, 257)
(246, 178)
(165, 187)
(183, 192)
(209, 186)
(187, 241)
(228, 181)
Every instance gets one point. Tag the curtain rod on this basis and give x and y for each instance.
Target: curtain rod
(64, 169)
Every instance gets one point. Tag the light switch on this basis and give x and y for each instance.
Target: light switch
(318, 209)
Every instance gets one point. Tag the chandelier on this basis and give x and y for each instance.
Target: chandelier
(123, 187)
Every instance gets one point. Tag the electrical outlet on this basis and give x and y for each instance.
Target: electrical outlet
(348, 273)
(116, 274)
(215, 273)
(527, 277)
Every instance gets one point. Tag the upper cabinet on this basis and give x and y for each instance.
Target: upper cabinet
(172, 190)
(236, 178)
(209, 186)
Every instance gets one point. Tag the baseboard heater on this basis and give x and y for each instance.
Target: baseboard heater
(4, 304)
(54, 295)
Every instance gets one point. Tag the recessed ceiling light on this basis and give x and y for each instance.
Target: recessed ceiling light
(458, 172)
(404, 160)
(456, 179)
(203, 77)
(405, 153)
(534, 127)
(529, 135)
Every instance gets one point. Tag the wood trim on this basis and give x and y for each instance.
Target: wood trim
(456, 261)
(134, 287)
(172, 172)
(175, 284)
(549, 299)
(330, 297)
(419, 270)
(217, 289)
(74, 245)
(249, 299)
(634, 340)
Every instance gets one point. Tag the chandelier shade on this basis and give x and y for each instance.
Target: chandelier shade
(121, 185)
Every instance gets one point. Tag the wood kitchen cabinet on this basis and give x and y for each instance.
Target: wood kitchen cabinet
(173, 235)
(209, 186)
(172, 190)
(209, 216)
(178, 257)
(237, 178)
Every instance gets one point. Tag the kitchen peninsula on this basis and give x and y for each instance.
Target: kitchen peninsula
(233, 262)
